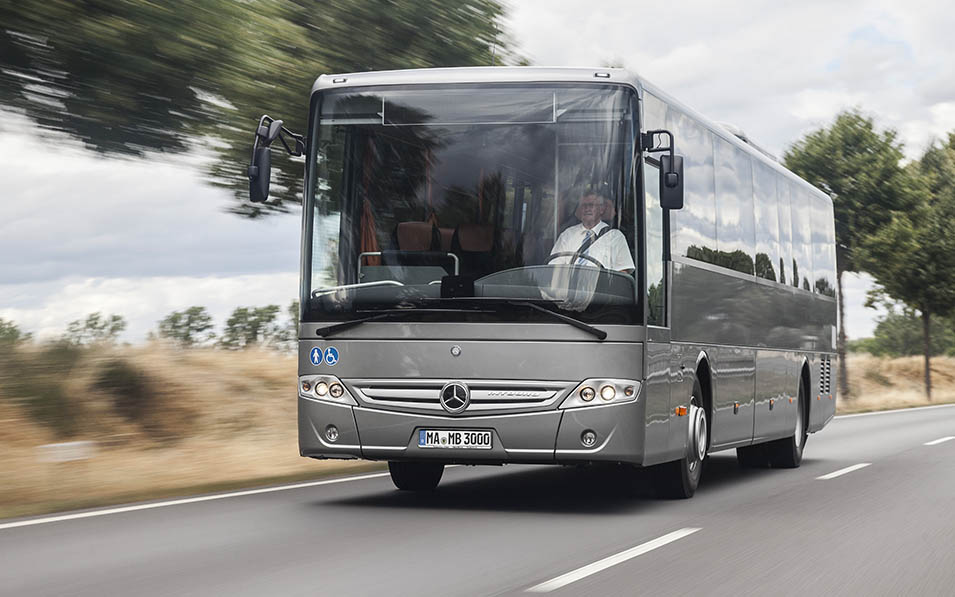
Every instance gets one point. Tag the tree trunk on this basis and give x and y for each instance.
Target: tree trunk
(927, 347)
(841, 342)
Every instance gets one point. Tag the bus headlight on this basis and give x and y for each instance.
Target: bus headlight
(325, 387)
(612, 391)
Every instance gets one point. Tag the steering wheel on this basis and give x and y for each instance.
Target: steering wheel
(554, 256)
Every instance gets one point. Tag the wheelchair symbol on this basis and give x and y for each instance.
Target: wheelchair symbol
(331, 356)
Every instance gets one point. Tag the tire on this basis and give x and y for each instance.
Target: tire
(679, 479)
(416, 476)
(787, 452)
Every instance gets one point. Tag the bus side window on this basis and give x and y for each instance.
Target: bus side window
(653, 215)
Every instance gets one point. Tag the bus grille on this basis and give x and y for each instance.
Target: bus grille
(486, 395)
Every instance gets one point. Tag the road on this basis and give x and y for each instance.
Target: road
(887, 528)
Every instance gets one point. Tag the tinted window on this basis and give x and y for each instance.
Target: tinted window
(693, 228)
(767, 221)
(654, 112)
(785, 232)
(656, 289)
(823, 246)
(734, 208)
(801, 206)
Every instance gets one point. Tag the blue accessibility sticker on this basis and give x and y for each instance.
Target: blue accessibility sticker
(316, 356)
(331, 356)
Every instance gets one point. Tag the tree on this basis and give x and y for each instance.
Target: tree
(121, 77)
(859, 167)
(96, 328)
(250, 326)
(137, 76)
(187, 328)
(899, 333)
(10, 333)
(912, 258)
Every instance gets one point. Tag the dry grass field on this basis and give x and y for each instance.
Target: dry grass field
(162, 422)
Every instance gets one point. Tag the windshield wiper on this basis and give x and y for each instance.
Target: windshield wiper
(328, 330)
(580, 325)
(496, 302)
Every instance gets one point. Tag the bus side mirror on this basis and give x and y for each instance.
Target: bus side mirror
(260, 169)
(260, 172)
(671, 181)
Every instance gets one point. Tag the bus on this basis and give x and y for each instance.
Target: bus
(551, 266)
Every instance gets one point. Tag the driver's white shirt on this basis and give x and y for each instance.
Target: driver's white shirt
(611, 249)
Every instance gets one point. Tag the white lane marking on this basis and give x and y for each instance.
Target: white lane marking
(844, 471)
(584, 572)
(895, 410)
(940, 440)
(204, 498)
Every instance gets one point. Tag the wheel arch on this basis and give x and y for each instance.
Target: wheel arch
(705, 376)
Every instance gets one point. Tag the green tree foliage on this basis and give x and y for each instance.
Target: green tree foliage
(187, 328)
(859, 167)
(11, 334)
(135, 76)
(899, 333)
(94, 329)
(912, 258)
(251, 326)
(122, 77)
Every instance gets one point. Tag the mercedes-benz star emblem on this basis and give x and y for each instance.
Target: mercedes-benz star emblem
(455, 397)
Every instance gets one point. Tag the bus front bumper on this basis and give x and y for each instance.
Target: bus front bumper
(543, 437)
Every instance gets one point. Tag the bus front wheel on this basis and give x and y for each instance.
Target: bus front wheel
(680, 479)
(415, 476)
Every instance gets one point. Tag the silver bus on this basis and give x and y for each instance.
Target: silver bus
(551, 265)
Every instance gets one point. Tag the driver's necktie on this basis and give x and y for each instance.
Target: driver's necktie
(588, 240)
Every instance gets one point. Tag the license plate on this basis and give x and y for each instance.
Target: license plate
(454, 438)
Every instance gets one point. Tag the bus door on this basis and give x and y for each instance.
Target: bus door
(657, 353)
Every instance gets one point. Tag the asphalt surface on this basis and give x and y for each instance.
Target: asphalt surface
(883, 529)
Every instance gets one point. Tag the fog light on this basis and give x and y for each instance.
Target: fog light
(306, 386)
(588, 438)
(587, 394)
(336, 390)
(331, 433)
(321, 388)
(608, 392)
(628, 391)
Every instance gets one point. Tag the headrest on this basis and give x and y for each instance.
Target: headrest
(475, 237)
(417, 236)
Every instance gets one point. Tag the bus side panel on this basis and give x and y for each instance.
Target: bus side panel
(734, 373)
(776, 387)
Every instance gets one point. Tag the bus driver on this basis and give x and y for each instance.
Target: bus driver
(593, 238)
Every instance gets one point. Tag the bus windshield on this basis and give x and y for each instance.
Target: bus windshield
(497, 194)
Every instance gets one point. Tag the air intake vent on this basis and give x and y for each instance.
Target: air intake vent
(825, 376)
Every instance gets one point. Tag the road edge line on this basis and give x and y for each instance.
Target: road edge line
(180, 501)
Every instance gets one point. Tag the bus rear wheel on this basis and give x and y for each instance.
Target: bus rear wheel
(416, 476)
(680, 479)
(787, 452)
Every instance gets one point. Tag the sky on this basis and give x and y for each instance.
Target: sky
(141, 238)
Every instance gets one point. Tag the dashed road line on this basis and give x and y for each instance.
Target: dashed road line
(940, 440)
(844, 471)
(894, 410)
(600, 565)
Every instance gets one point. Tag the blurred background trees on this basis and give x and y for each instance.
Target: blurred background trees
(94, 329)
(133, 77)
(188, 328)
